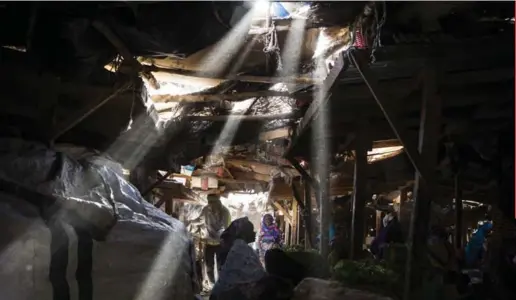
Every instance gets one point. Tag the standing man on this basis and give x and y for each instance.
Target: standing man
(214, 219)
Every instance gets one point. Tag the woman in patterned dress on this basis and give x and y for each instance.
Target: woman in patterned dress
(270, 236)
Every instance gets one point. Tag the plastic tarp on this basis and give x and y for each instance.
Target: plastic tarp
(74, 228)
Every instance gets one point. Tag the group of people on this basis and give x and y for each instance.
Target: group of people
(227, 244)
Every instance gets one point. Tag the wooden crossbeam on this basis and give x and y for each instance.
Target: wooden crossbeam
(218, 97)
(241, 117)
(126, 54)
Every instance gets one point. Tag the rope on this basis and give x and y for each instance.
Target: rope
(377, 42)
(272, 47)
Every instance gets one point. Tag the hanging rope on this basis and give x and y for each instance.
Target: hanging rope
(131, 112)
(271, 46)
(377, 42)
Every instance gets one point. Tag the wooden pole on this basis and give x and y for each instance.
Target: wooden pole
(295, 222)
(169, 205)
(359, 194)
(458, 212)
(423, 189)
(403, 200)
(308, 216)
(378, 222)
(325, 215)
(268, 23)
(306, 177)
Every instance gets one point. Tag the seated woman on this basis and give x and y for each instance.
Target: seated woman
(241, 270)
(270, 236)
(475, 248)
(389, 233)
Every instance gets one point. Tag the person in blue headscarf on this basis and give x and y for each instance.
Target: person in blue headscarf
(475, 248)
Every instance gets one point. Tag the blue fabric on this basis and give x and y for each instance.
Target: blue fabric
(474, 248)
(332, 231)
(279, 10)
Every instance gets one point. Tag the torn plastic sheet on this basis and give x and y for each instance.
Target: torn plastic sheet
(145, 254)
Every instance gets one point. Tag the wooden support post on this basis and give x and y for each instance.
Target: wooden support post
(403, 200)
(423, 190)
(378, 222)
(268, 23)
(287, 233)
(295, 222)
(308, 216)
(322, 158)
(359, 194)
(169, 205)
(297, 196)
(306, 177)
(458, 212)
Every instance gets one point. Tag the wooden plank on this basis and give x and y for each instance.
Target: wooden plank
(236, 97)
(308, 216)
(244, 78)
(224, 118)
(423, 190)
(275, 134)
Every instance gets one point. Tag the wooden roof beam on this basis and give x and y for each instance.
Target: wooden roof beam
(126, 54)
(275, 134)
(218, 97)
(223, 118)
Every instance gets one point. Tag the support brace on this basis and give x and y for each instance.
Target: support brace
(359, 59)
